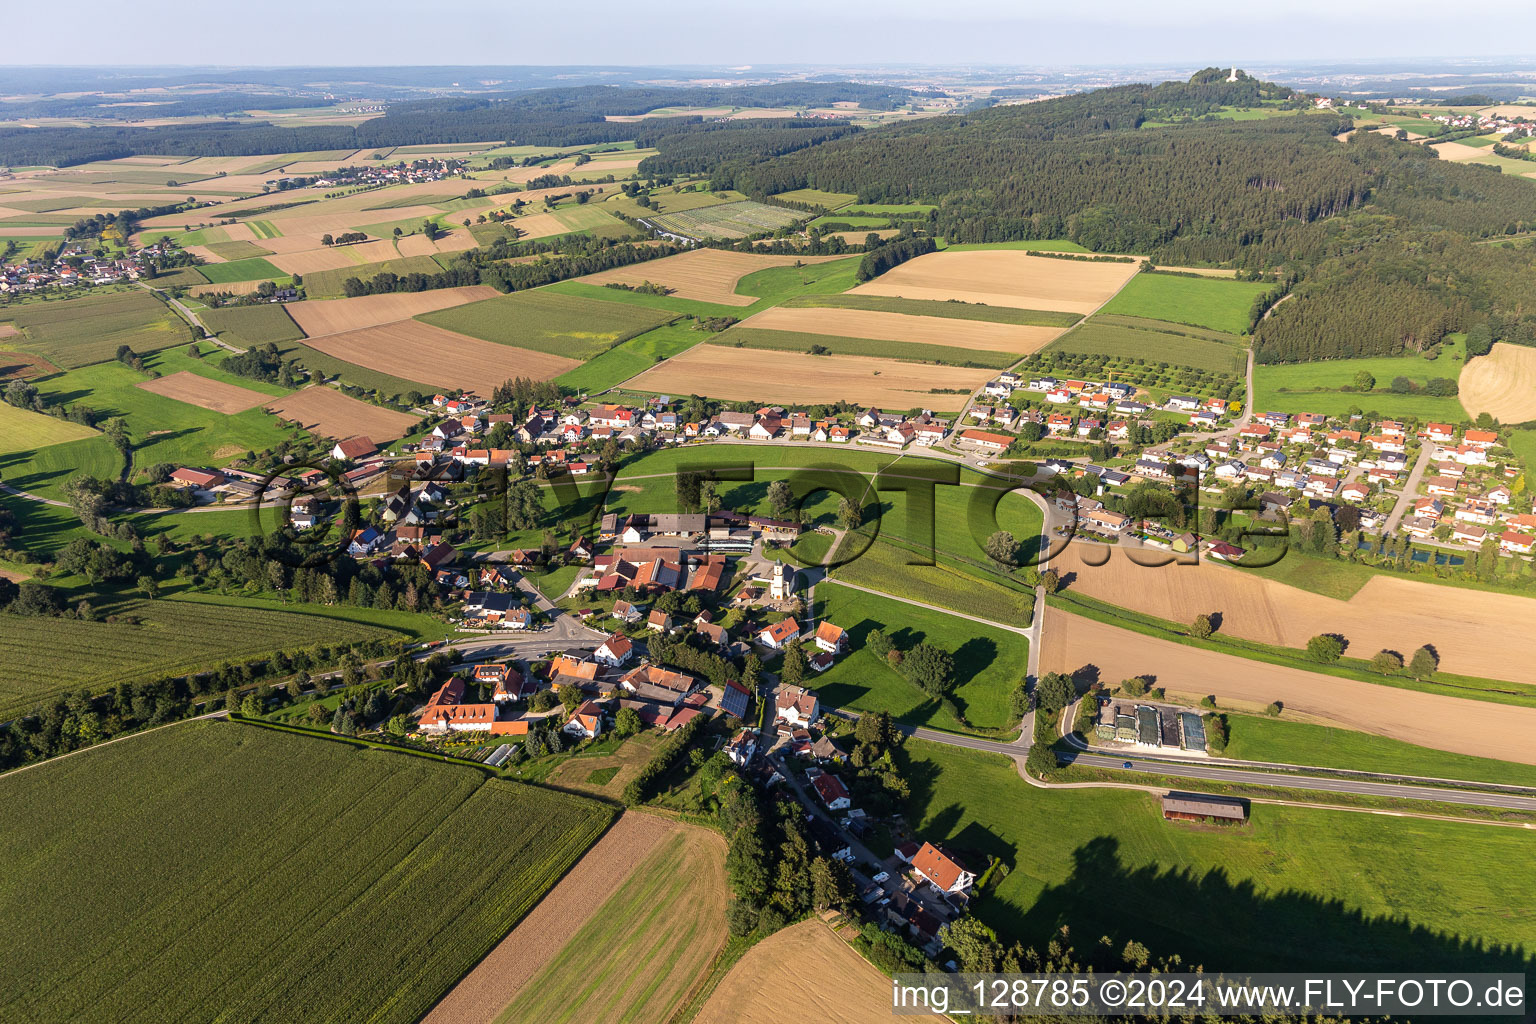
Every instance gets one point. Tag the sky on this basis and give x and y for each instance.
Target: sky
(677, 32)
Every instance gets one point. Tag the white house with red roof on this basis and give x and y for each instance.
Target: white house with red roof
(796, 705)
(779, 635)
(941, 870)
(832, 792)
(615, 651)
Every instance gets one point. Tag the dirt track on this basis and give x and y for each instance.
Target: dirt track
(1475, 727)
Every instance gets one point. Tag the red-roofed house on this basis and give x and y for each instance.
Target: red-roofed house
(778, 635)
(615, 651)
(796, 705)
(353, 448)
(832, 792)
(586, 721)
(941, 871)
(830, 637)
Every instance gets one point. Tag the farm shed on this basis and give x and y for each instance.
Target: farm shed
(1201, 807)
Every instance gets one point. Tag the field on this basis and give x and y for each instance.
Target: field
(728, 220)
(1475, 727)
(357, 884)
(592, 219)
(417, 351)
(637, 958)
(172, 637)
(1502, 384)
(549, 322)
(1483, 639)
(816, 197)
(744, 374)
(926, 330)
(707, 275)
(1096, 337)
(666, 201)
(248, 326)
(332, 316)
(605, 774)
(204, 392)
(1314, 387)
(1221, 305)
(328, 367)
(794, 341)
(781, 963)
(1368, 892)
(322, 283)
(22, 430)
(932, 308)
(85, 330)
(327, 411)
(21, 364)
(632, 357)
(238, 250)
(254, 269)
(1004, 277)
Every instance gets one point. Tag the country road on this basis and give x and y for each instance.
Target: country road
(191, 318)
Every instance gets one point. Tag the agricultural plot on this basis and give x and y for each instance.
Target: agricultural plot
(745, 374)
(254, 269)
(1106, 338)
(204, 392)
(402, 873)
(22, 430)
(1004, 277)
(706, 275)
(825, 344)
(89, 329)
(1217, 303)
(816, 197)
(1319, 387)
(951, 309)
(326, 411)
(1502, 384)
(332, 316)
(978, 335)
(632, 357)
(667, 201)
(729, 220)
(20, 364)
(549, 322)
(327, 282)
(247, 326)
(234, 251)
(592, 219)
(410, 349)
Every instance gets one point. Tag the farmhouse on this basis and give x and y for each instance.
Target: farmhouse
(982, 439)
(615, 651)
(353, 448)
(830, 637)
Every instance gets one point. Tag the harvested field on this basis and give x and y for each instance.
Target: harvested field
(329, 412)
(1486, 637)
(708, 275)
(22, 430)
(1005, 277)
(1201, 271)
(1458, 151)
(858, 237)
(457, 240)
(226, 288)
(332, 316)
(532, 945)
(312, 261)
(927, 330)
(1477, 727)
(781, 963)
(21, 364)
(729, 220)
(1501, 383)
(744, 374)
(539, 225)
(204, 392)
(412, 350)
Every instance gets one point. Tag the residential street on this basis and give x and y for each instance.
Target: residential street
(1410, 489)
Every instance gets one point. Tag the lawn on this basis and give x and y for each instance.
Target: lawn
(1218, 303)
(933, 307)
(1286, 742)
(1368, 892)
(328, 283)
(22, 430)
(1096, 337)
(816, 197)
(248, 326)
(254, 269)
(1315, 387)
(547, 321)
(989, 663)
(89, 328)
(1523, 444)
(631, 358)
(906, 351)
(356, 884)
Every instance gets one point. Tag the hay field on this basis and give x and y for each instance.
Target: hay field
(1477, 727)
(745, 374)
(418, 351)
(708, 275)
(855, 991)
(1004, 277)
(539, 225)
(204, 392)
(729, 220)
(528, 948)
(328, 412)
(332, 316)
(545, 321)
(88, 329)
(1501, 383)
(227, 288)
(1485, 637)
(1458, 151)
(927, 330)
(22, 430)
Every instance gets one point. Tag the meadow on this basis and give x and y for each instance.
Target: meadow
(817, 197)
(1316, 387)
(1218, 303)
(630, 358)
(356, 884)
(22, 430)
(89, 329)
(248, 326)
(328, 283)
(545, 321)
(770, 286)
(254, 269)
(330, 367)
(240, 250)
(1095, 337)
(729, 220)
(668, 201)
(1368, 892)
(705, 275)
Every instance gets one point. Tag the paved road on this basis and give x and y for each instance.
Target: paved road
(190, 317)
(1411, 488)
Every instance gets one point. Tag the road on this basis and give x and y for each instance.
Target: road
(191, 318)
(1411, 488)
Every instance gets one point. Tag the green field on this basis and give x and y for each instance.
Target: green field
(934, 307)
(254, 269)
(356, 884)
(22, 430)
(322, 283)
(1218, 303)
(729, 220)
(547, 321)
(1367, 892)
(667, 201)
(594, 220)
(1095, 337)
(769, 287)
(350, 373)
(854, 222)
(245, 326)
(816, 197)
(1035, 245)
(917, 352)
(1523, 444)
(632, 357)
(1314, 387)
(398, 202)
(89, 329)
(888, 209)
(237, 250)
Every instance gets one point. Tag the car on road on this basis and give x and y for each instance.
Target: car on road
(1127, 765)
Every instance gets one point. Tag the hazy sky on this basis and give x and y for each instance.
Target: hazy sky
(1027, 32)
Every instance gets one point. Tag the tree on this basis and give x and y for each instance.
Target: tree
(1054, 692)
(878, 643)
(116, 431)
(1202, 627)
(930, 667)
(626, 722)
(1388, 663)
(1050, 582)
(1364, 381)
(849, 514)
(793, 668)
(1041, 761)
(1003, 549)
(1325, 647)
(148, 586)
(327, 240)
(831, 884)
(781, 497)
(1424, 663)
(688, 486)
(571, 698)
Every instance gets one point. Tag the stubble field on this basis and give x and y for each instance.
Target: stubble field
(204, 392)
(413, 350)
(332, 316)
(328, 412)
(1004, 277)
(928, 330)
(1501, 383)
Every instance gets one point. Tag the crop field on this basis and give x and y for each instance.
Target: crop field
(398, 875)
(729, 220)
(1217, 303)
(413, 350)
(254, 269)
(247, 326)
(204, 392)
(170, 637)
(85, 330)
(781, 963)
(318, 260)
(707, 275)
(1387, 613)
(234, 251)
(924, 330)
(1316, 387)
(327, 411)
(1004, 277)
(637, 958)
(594, 220)
(632, 357)
(1502, 384)
(816, 197)
(1095, 337)
(745, 374)
(323, 283)
(332, 316)
(667, 201)
(549, 322)
(950, 310)
(1369, 892)
(22, 430)
(795, 341)
(21, 364)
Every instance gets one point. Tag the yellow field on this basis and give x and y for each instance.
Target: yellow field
(1005, 277)
(1459, 151)
(708, 275)
(928, 330)
(1502, 384)
(746, 374)
(417, 351)
(332, 316)
(25, 431)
